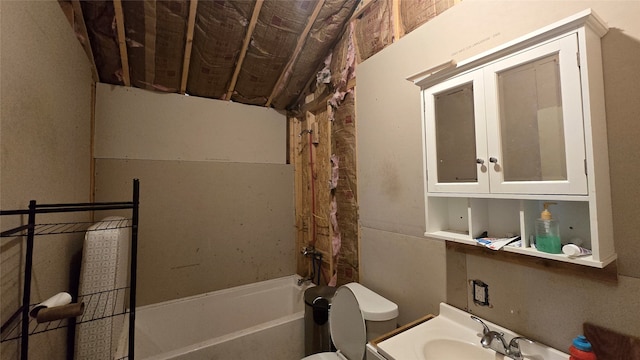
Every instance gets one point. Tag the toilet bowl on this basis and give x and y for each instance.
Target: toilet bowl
(356, 316)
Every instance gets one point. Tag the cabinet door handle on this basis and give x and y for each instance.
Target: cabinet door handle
(480, 161)
(493, 160)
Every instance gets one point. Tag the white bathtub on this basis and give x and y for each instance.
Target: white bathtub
(264, 320)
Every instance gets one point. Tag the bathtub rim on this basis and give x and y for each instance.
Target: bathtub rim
(185, 350)
(228, 290)
(284, 281)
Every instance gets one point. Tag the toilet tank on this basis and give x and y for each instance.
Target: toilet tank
(380, 315)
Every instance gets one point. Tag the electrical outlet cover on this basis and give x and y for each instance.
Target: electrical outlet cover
(480, 293)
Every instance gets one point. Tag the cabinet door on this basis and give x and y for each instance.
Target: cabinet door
(455, 135)
(534, 121)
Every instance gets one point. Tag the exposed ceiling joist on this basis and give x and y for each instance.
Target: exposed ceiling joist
(245, 46)
(206, 47)
(397, 20)
(188, 46)
(362, 6)
(122, 41)
(301, 40)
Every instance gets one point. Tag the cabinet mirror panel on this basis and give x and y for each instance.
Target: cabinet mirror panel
(455, 135)
(531, 121)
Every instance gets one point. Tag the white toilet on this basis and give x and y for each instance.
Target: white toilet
(356, 316)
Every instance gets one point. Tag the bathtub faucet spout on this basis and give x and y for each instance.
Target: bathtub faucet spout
(316, 263)
(310, 251)
(304, 281)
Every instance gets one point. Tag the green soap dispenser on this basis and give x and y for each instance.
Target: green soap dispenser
(548, 232)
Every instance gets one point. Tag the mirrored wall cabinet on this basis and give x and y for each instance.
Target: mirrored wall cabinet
(515, 127)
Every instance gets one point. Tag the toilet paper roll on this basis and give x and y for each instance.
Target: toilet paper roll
(58, 299)
(60, 312)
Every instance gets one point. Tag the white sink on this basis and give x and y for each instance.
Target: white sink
(453, 335)
(447, 349)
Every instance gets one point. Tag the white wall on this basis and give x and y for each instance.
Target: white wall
(546, 306)
(45, 122)
(216, 197)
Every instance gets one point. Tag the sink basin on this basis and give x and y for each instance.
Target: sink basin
(445, 349)
(453, 335)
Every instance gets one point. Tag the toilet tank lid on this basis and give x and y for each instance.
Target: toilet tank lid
(373, 306)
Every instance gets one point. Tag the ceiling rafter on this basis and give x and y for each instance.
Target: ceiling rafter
(294, 57)
(362, 6)
(188, 46)
(245, 46)
(398, 31)
(122, 42)
(350, 82)
(112, 44)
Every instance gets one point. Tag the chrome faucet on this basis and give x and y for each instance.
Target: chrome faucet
(485, 328)
(512, 350)
(487, 340)
(514, 347)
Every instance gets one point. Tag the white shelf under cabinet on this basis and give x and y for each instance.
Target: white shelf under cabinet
(460, 211)
(508, 217)
(451, 236)
(529, 251)
(584, 260)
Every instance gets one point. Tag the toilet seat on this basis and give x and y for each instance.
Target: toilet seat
(347, 328)
(325, 356)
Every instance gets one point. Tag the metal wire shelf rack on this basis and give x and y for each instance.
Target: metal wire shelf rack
(98, 305)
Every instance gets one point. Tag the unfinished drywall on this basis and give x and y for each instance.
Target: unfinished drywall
(137, 124)
(390, 189)
(389, 267)
(391, 181)
(45, 119)
(216, 202)
(205, 226)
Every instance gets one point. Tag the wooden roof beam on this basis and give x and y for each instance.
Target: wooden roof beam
(294, 57)
(398, 31)
(245, 46)
(193, 5)
(361, 7)
(122, 42)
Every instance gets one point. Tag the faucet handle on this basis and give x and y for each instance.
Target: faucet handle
(514, 347)
(485, 329)
(514, 343)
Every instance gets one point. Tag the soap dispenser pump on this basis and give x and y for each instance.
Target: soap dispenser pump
(548, 232)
